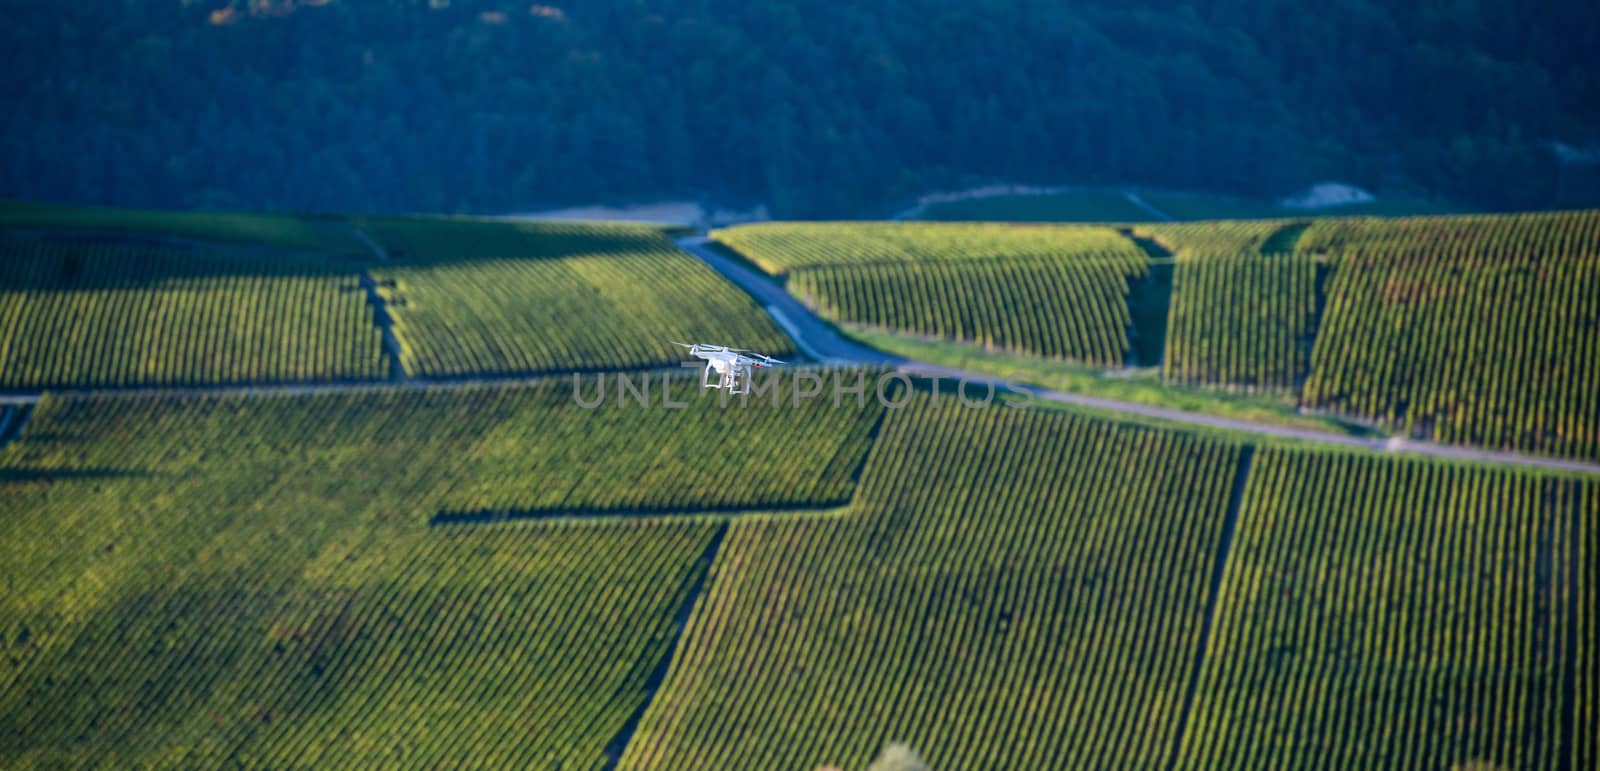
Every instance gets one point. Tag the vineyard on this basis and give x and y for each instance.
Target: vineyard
(211, 580)
(1015, 589)
(783, 247)
(1395, 614)
(1474, 330)
(1012, 305)
(1053, 292)
(1243, 304)
(602, 568)
(585, 297)
(466, 296)
(92, 313)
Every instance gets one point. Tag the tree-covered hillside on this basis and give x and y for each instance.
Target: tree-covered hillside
(816, 108)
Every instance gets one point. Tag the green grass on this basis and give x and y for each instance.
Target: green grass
(1073, 206)
(1106, 205)
(1136, 386)
(279, 230)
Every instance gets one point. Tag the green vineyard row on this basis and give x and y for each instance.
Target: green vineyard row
(205, 581)
(1243, 304)
(1398, 614)
(1014, 589)
(1057, 292)
(467, 297)
(584, 309)
(1470, 330)
(91, 314)
(782, 247)
(1480, 330)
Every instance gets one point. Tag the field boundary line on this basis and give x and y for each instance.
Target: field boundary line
(385, 323)
(1213, 599)
(1139, 201)
(730, 512)
(373, 246)
(680, 625)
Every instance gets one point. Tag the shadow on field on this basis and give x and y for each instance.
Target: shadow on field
(483, 517)
(66, 474)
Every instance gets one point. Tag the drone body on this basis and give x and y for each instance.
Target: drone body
(732, 365)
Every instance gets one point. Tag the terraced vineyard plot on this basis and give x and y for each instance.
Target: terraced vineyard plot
(79, 313)
(1055, 292)
(207, 581)
(1480, 330)
(1012, 305)
(508, 646)
(782, 247)
(1243, 304)
(1404, 614)
(1016, 590)
(580, 298)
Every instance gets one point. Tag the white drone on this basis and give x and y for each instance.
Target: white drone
(732, 365)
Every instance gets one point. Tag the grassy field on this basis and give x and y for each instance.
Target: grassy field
(1109, 205)
(1071, 206)
(1136, 386)
(324, 234)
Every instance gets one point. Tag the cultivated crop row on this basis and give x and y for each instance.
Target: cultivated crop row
(1474, 330)
(93, 314)
(1054, 308)
(584, 308)
(266, 581)
(1059, 292)
(1243, 304)
(1015, 589)
(781, 247)
(1382, 613)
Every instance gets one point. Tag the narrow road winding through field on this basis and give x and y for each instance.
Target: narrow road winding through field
(820, 341)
